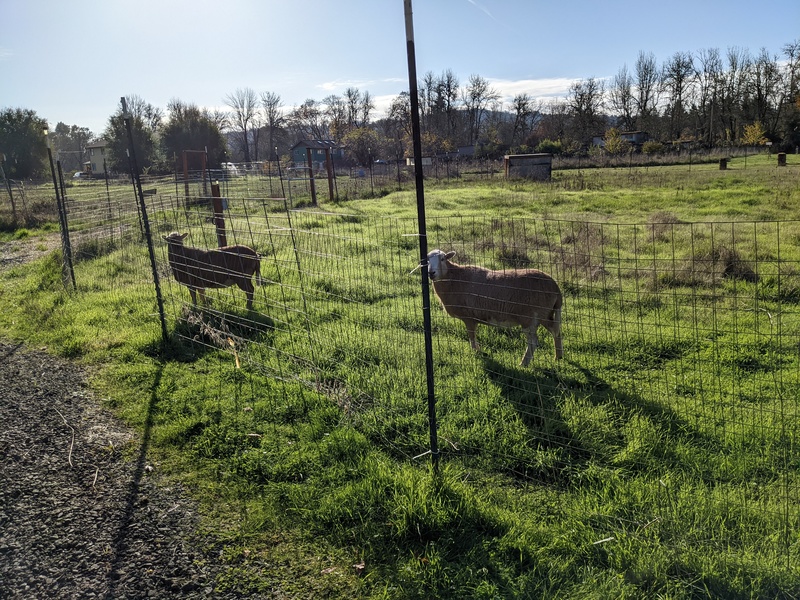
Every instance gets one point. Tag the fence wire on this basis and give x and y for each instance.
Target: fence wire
(681, 340)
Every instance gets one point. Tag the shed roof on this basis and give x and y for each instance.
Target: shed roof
(316, 144)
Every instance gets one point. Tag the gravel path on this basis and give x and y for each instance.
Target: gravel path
(82, 514)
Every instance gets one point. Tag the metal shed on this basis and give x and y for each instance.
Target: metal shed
(528, 166)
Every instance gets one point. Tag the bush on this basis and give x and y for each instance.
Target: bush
(652, 147)
(549, 147)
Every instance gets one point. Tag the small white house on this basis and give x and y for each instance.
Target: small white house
(96, 164)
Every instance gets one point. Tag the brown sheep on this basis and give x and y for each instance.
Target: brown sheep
(200, 269)
(524, 297)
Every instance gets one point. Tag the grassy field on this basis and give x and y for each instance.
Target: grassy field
(660, 459)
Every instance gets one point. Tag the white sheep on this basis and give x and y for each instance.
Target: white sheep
(222, 267)
(524, 297)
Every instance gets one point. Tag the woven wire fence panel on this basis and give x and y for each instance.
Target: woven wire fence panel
(681, 369)
(102, 218)
(681, 372)
(338, 302)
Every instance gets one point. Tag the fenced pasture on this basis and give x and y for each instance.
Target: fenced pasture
(661, 456)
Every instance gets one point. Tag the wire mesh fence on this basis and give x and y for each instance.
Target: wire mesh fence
(681, 341)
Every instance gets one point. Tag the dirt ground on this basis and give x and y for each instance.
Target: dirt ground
(83, 514)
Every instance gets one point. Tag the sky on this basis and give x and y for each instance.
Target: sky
(71, 63)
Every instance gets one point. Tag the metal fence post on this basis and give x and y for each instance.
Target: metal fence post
(145, 220)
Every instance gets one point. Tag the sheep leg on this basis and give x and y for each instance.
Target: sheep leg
(247, 287)
(193, 294)
(533, 343)
(472, 325)
(554, 327)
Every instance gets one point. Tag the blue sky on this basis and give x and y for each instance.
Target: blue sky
(72, 62)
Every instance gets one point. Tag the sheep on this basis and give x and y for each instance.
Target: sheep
(524, 297)
(200, 269)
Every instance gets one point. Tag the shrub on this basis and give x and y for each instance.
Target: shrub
(652, 147)
(549, 147)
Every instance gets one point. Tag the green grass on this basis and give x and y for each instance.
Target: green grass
(658, 460)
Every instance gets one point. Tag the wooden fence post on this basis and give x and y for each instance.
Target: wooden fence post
(311, 176)
(219, 216)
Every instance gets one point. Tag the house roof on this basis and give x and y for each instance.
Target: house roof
(97, 144)
(316, 144)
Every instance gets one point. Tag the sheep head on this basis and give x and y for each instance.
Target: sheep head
(437, 263)
(175, 238)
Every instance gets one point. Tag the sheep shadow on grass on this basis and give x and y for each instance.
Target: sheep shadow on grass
(574, 413)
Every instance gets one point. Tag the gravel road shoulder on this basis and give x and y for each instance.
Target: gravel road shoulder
(82, 515)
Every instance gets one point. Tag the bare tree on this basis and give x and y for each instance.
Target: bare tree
(438, 100)
(365, 109)
(791, 118)
(336, 114)
(352, 100)
(244, 103)
(733, 85)
(150, 116)
(309, 121)
(398, 124)
(358, 107)
(220, 118)
(426, 92)
(677, 78)
(621, 98)
(646, 90)
(553, 125)
(585, 101)
(274, 118)
(792, 53)
(447, 92)
(708, 68)
(769, 91)
(523, 109)
(478, 96)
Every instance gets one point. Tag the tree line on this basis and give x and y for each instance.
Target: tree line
(707, 98)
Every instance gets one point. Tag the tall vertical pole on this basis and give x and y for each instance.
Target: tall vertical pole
(67, 273)
(423, 235)
(145, 221)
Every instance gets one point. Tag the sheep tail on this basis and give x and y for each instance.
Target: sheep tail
(555, 314)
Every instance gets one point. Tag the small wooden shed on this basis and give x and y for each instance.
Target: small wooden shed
(528, 166)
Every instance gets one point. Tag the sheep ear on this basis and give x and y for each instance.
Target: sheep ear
(450, 254)
(184, 236)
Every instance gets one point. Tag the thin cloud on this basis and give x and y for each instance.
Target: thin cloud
(536, 88)
(364, 84)
(5, 53)
(342, 84)
(482, 8)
